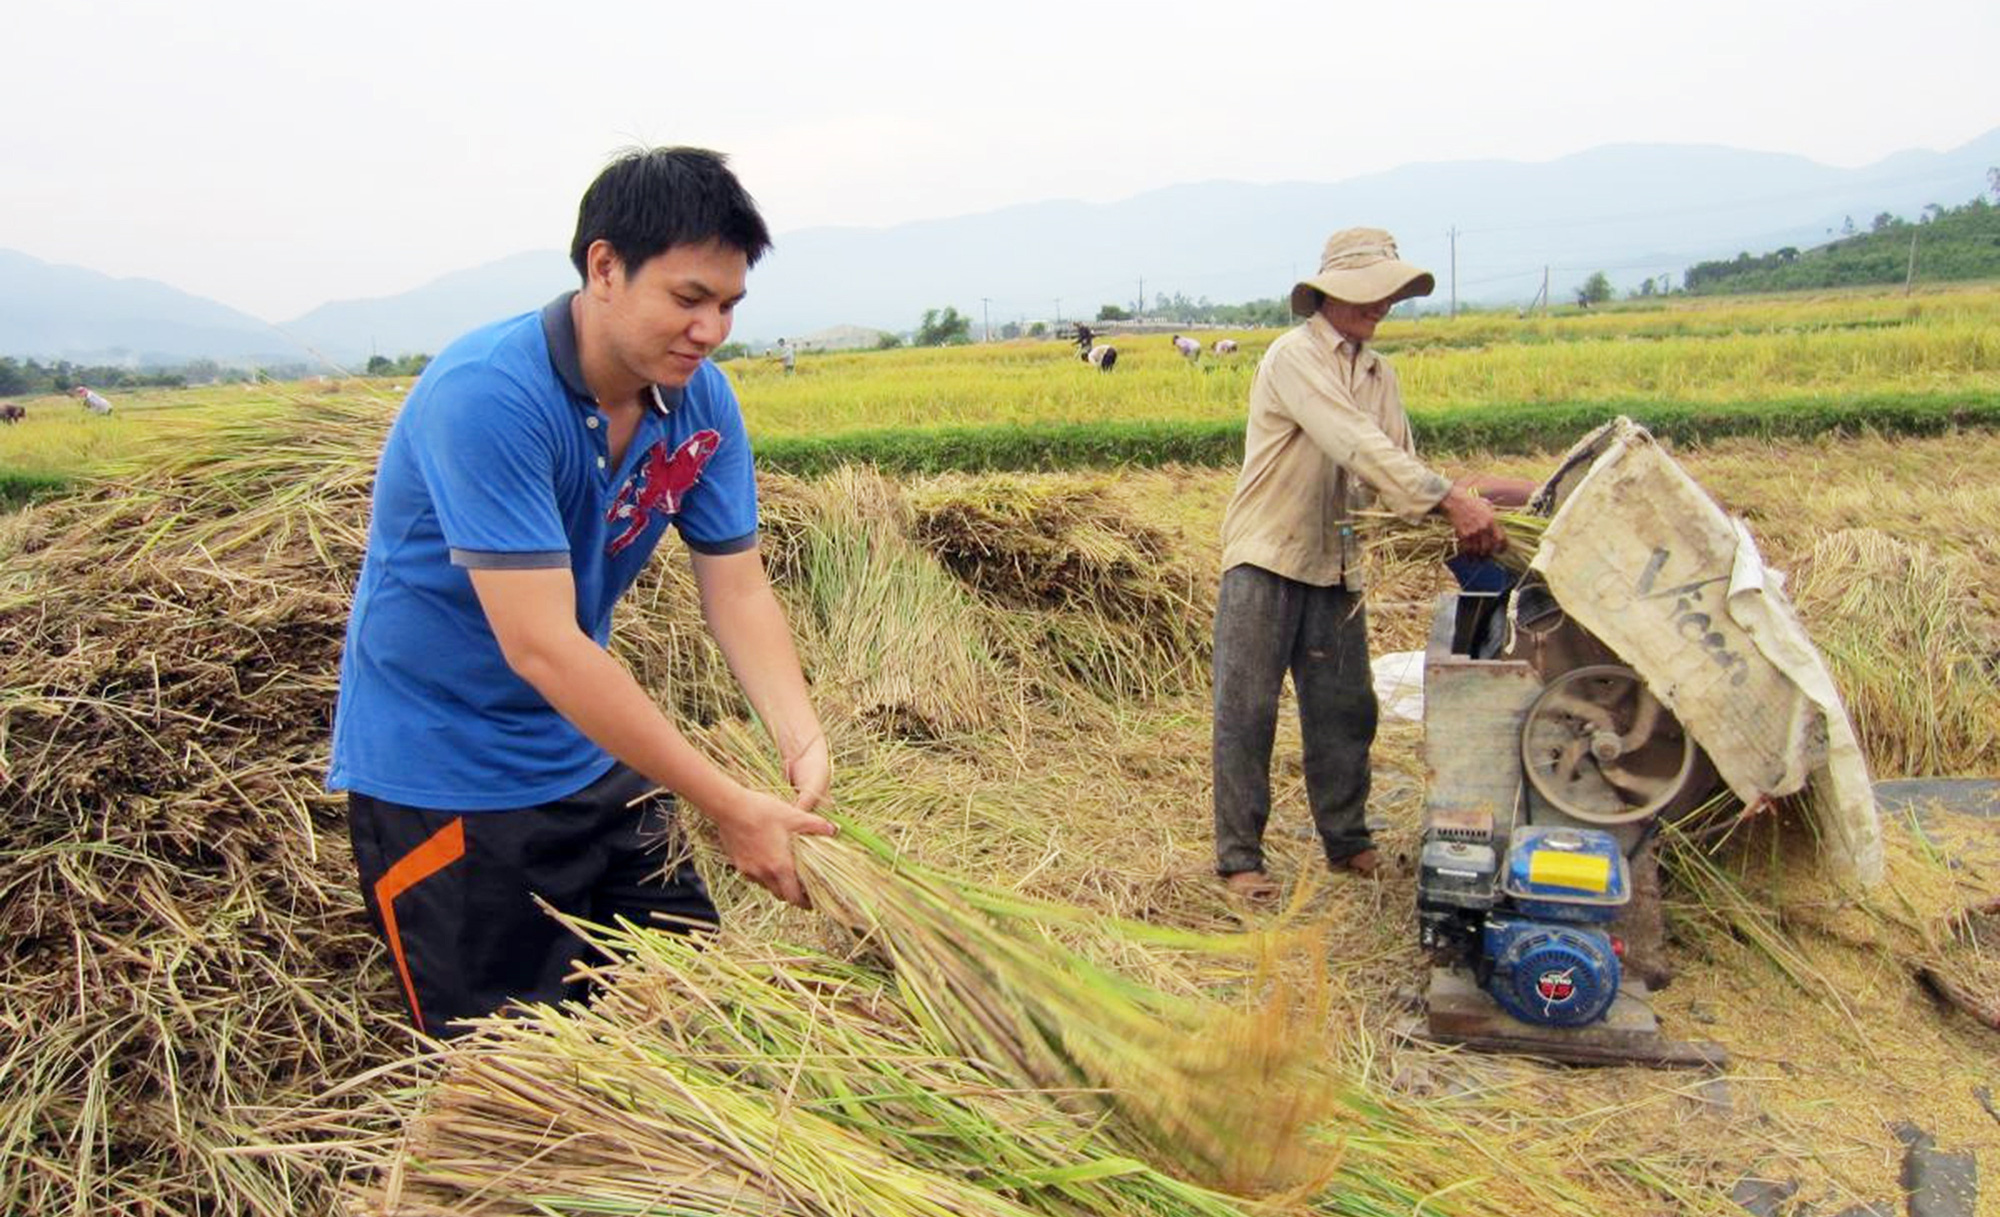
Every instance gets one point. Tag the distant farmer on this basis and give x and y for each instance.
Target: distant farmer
(788, 355)
(92, 400)
(1188, 347)
(1327, 433)
(1225, 346)
(1103, 358)
(493, 751)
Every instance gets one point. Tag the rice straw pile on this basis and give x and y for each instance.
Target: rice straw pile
(896, 637)
(1094, 593)
(185, 935)
(746, 1076)
(1916, 658)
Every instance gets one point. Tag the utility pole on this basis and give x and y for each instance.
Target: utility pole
(1140, 311)
(986, 315)
(1910, 275)
(1453, 234)
(1058, 312)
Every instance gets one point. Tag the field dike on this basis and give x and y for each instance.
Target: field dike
(1051, 1009)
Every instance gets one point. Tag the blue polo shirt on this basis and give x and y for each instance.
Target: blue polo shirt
(500, 459)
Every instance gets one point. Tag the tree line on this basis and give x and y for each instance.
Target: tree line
(24, 377)
(1181, 310)
(31, 377)
(1950, 243)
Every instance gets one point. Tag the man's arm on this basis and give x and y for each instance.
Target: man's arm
(533, 615)
(1501, 491)
(748, 625)
(1339, 428)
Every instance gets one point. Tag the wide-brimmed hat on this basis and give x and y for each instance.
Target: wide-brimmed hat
(1360, 266)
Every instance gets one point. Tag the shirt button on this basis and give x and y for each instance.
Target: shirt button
(591, 422)
(600, 462)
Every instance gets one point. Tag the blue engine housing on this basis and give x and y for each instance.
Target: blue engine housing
(1551, 973)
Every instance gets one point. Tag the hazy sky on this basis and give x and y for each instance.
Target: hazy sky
(275, 156)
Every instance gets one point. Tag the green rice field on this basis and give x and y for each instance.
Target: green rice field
(1778, 356)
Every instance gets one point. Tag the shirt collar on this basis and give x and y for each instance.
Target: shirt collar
(559, 328)
(1338, 344)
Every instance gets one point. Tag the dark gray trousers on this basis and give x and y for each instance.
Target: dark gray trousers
(1267, 625)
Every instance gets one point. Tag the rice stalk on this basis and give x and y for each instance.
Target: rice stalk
(1717, 892)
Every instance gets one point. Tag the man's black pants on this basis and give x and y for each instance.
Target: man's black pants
(452, 894)
(1267, 625)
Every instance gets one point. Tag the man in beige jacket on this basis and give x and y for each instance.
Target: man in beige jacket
(1327, 433)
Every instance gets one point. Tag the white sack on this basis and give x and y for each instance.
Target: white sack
(1641, 557)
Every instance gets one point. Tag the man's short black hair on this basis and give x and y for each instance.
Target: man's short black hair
(650, 199)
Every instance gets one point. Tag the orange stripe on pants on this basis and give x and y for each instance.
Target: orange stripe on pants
(441, 849)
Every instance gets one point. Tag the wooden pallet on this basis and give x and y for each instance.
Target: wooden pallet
(1460, 1012)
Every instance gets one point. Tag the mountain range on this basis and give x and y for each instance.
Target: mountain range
(1491, 230)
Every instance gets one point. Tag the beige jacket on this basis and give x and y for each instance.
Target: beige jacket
(1327, 435)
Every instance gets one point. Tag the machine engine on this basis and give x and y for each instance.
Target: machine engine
(1529, 927)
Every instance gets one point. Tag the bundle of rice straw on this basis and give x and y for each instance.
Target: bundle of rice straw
(1093, 594)
(733, 1077)
(1045, 543)
(1226, 1095)
(893, 635)
(1388, 538)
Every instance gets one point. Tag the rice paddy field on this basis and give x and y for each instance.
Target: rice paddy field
(1022, 990)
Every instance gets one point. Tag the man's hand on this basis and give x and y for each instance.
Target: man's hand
(757, 836)
(811, 774)
(1472, 518)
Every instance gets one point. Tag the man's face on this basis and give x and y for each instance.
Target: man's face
(1357, 321)
(664, 317)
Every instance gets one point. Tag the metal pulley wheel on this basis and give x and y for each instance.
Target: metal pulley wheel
(1600, 747)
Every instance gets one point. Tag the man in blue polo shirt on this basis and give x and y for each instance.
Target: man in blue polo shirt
(492, 749)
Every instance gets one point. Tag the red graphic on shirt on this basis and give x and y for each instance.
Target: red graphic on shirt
(658, 486)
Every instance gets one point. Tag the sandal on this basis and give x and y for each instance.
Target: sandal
(1252, 885)
(1367, 864)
